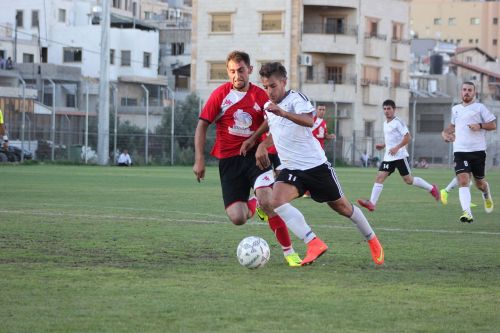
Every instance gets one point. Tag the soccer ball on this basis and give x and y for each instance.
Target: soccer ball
(253, 252)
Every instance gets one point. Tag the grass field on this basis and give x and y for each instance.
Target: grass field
(104, 249)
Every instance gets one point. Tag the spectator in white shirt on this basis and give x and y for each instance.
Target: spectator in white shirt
(124, 159)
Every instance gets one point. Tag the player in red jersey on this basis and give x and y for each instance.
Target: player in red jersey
(320, 130)
(237, 109)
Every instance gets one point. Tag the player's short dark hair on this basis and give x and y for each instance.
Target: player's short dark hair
(389, 102)
(273, 68)
(470, 83)
(238, 56)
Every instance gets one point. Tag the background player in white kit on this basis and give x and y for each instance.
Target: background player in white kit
(304, 165)
(469, 122)
(396, 137)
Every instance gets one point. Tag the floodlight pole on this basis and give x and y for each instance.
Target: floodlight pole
(23, 122)
(146, 139)
(53, 125)
(172, 127)
(86, 120)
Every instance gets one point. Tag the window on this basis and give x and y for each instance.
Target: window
(495, 41)
(495, 20)
(371, 74)
(271, 22)
(70, 101)
(474, 20)
(111, 56)
(147, 15)
(369, 129)
(372, 27)
(221, 23)
(477, 40)
(430, 123)
(28, 58)
(146, 60)
(127, 101)
(397, 31)
(126, 57)
(34, 18)
(218, 71)
(310, 73)
(452, 21)
(117, 3)
(335, 25)
(72, 54)
(177, 48)
(396, 77)
(471, 40)
(468, 60)
(62, 15)
(334, 73)
(134, 9)
(19, 18)
(437, 21)
(459, 41)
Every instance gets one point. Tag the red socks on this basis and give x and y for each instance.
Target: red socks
(280, 230)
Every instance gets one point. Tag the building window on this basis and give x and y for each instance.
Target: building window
(221, 23)
(218, 71)
(126, 57)
(495, 20)
(477, 40)
(430, 123)
(28, 58)
(397, 31)
(61, 15)
(146, 60)
(19, 18)
(111, 56)
(335, 74)
(468, 60)
(72, 54)
(495, 41)
(177, 48)
(369, 129)
(459, 41)
(34, 18)
(471, 40)
(127, 101)
(437, 21)
(372, 27)
(271, 22)
(371, 74)
(70, 101)
(310, 73)
(396, 77)
(452, 21)
(474, 20)
(117, 4)
(334, 25)
(147, 15)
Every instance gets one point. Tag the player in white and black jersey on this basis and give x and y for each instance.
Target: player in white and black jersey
(304, 165)
(469, 122)
(396, 137)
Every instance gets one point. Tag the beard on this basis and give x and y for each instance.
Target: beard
(467, 99)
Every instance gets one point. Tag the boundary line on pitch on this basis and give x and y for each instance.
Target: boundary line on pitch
(116, 217)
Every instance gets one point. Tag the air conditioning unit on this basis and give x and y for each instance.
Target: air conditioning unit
(306, 60)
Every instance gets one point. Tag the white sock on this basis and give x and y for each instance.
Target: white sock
(296, 222)
(376, 191)
(419, 182)
(464, 195)
(451, 185)
(486, 194)
(359, 219)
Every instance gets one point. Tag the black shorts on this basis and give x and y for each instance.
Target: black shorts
(320, 181)
(237, 177)
(390, 166)
(470, 162)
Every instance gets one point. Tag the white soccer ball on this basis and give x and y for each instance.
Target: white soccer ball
(253, 252)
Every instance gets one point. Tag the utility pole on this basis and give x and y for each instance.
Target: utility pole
(103, 118)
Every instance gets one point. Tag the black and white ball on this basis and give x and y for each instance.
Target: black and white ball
(253, 252)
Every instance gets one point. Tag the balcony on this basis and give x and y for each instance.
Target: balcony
(400, 50)
(339, 3)
(374, 92)
(339, 90)
(375, 45)
(324, 38)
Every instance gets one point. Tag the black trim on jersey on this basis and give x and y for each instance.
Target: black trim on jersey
(304, 97)
(200, 118)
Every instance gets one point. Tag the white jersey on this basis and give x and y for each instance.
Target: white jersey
(467, 140)
(297, 147)
(394, 132)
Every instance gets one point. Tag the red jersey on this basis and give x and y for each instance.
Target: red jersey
(319, 130)
(237, 115)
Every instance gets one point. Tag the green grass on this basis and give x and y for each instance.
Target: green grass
(104, 249)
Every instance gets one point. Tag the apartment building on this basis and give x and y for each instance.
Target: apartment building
(464, 23)
(347, 54)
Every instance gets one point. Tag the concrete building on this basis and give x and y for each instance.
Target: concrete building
(349, 55)
(465, 23)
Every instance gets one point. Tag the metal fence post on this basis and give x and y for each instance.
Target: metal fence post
(146, 144)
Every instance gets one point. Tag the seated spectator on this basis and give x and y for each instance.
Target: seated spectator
(124, 159)
(364, 160)
(2, 63)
